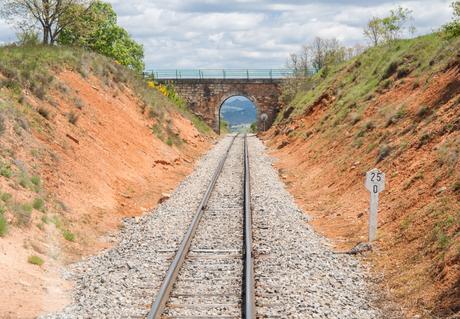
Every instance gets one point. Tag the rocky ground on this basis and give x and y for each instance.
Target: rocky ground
(297, 274)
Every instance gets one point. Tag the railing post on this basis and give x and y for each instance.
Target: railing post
(223, 72)
(247, 74)
(271, 75)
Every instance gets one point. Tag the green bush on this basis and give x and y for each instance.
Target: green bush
(6, 197)
(35, 260)
(68, 235)
(36, 180)
(452, 29)
(3, 225)
(24, 180)
(5, 170)
(38, 204)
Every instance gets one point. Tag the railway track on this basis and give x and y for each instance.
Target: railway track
(211, 275)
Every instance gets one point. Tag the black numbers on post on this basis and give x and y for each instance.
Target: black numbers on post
(375, 189)
(375, 176)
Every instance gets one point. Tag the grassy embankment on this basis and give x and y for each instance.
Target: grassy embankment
(397, 107)
(28, 88)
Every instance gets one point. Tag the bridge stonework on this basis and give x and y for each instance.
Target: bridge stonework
(205, 97)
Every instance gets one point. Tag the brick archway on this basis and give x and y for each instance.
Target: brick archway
(205, 97)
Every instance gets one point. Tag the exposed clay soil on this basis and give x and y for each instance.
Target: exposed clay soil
(106, 167)
(418, 248)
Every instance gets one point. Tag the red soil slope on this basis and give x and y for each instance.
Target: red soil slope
(418, 249)
(107, 166)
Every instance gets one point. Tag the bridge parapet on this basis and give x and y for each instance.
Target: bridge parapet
(222, 74)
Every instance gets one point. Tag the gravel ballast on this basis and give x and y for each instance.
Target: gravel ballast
(297, 274)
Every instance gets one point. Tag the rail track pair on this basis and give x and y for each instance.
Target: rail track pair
(232, 296)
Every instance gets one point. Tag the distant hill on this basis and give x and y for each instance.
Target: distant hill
(239, 111)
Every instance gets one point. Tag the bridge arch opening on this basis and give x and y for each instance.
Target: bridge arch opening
(237, 113)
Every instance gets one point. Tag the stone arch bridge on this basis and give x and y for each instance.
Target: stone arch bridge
(205, 91)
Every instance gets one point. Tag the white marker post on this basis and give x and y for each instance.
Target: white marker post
(375, 183)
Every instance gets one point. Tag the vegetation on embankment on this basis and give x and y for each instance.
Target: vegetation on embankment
(84, 142)
(395, 107)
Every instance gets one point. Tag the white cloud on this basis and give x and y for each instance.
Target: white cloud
(250, 33)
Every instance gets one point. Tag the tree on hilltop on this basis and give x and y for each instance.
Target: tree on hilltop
(96, 29)
(48, 15)
(452, 29)
(389, 28)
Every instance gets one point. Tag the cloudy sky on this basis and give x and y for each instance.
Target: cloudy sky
(250, 33)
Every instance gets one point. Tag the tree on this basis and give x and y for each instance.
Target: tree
(394, 25)
(452, 29)
(96, 29)
(373, 31)
(389, 28)
(48, 15)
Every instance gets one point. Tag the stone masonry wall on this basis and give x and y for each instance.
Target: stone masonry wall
(205, 97)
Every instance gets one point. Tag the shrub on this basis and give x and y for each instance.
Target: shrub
(6, 197)
(384, 151)
(72, 118)
(68, 235)
(456, 186)
(35, 260)
(45, 219)
(38, 204)
(424, 139)
(36, 180)
(22, 122)
(423, 112)
(5, 170)
(452, 29)
(3, 224)
(2, 125)
(24, 180)
(44, 112)
(390, 70)
(39, 91)
(79, 104)
(169, 141)
(394, 118)
(369, 126)
(354, 118)
(23, 213)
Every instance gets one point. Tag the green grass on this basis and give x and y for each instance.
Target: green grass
(35, 260)
(363, 75)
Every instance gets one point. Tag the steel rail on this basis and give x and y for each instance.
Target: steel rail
(173, 270)
(249, 309)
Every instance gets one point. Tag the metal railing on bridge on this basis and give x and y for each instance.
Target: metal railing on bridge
(247, 74)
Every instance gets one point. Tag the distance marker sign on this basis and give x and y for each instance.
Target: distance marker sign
(375, 183)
